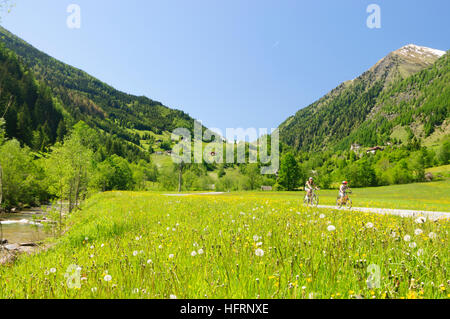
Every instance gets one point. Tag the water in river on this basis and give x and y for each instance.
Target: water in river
(21, 227)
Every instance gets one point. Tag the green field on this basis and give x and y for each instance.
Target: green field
(422, 196)
(237, 245)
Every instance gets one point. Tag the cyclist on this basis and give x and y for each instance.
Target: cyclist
(343, 190)
(309, 187)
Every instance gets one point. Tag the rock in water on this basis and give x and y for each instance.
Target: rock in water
(11, 247)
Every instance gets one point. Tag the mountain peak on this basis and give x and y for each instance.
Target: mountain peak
(415, 50)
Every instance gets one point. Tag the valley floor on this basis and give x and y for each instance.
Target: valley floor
(235, 245)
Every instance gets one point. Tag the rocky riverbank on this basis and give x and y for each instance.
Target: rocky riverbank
(9, 252)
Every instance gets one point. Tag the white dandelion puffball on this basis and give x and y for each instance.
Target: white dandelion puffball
(173, 297)
(259, 244)
(432, 235)
(255, 238)
(369, 225)
(393, 234)
(194, 253)
(259, 252)
(418, 232)
(135, 253)
(53, 270)
(160, 246)
(407, 238)
(107, 278)
(171, 256)
(420, 220)
(322, 216)
(331, 228)
(412, 245)
(149, 261)
(200, 251)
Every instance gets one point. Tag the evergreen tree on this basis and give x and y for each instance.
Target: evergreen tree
(290, 173)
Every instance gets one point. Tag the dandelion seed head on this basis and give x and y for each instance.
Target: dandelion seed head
(259, 252)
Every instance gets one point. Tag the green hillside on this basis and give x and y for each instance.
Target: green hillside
(406, 88)
(96, 103)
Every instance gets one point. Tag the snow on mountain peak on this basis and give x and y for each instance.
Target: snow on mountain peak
(412, 49)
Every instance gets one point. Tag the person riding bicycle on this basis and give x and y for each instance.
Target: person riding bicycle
(343, 189)
(310, 186)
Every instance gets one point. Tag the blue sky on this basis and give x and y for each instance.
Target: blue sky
(228, 63)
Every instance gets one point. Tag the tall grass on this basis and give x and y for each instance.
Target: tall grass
(146, 245)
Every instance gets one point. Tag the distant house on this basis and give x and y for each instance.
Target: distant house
(374, 150)
(266, 188)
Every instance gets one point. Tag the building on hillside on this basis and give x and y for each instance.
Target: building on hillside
(374, 150)
(266, 188)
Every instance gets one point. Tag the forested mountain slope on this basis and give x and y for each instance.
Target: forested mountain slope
(28, 107)
(347, 114)
(98, 104)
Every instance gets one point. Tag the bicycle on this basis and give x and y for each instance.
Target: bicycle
(312, 200)
(344, 201)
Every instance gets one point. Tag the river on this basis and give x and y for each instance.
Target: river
(21, 228)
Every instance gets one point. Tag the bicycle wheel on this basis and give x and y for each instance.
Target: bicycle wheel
(349, 204)
(305, 201)
(315, 200)
(338, 203)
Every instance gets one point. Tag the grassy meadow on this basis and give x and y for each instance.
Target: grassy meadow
(419, 196)
(236, 245)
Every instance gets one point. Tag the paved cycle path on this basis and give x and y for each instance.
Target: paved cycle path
(382, 211)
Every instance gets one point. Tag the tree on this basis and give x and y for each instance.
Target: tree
(114, 174)
(290, 173)
(444, 152)
(21, 178)
(69, 166)
(253, 172)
